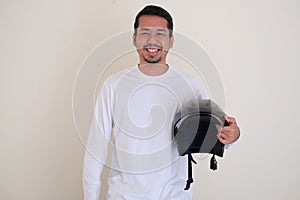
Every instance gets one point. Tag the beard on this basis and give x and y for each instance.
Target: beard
(152, 60)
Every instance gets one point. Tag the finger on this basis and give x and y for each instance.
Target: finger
(223, 139)
(219, 127)
(228, 129)
(230, 119)
(226, 139)
(230, 134)
(232, 129)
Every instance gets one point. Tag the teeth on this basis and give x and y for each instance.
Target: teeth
(152, 50)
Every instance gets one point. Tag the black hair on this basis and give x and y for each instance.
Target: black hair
(155, 11)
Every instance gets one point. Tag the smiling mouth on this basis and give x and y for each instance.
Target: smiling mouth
(152, 50)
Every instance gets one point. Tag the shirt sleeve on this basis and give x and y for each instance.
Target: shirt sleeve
(97, 145)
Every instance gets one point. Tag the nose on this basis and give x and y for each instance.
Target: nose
(152, 39)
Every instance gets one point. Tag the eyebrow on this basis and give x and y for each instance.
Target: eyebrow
(148, 29)
(144, 29)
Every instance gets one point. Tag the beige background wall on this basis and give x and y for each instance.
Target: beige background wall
(254, 44)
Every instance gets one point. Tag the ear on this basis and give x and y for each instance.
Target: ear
(134, 39)
(171, 41)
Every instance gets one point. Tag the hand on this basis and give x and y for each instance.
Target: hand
(228, 134)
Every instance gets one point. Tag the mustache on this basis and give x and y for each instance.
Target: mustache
(153, 46)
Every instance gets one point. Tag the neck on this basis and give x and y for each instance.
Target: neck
(153, 69)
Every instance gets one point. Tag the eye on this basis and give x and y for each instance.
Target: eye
(161, 34)
(144, 33)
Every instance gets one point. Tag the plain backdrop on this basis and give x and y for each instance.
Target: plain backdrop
(254, 44)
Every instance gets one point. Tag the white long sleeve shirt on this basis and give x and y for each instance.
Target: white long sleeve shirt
(133, 125)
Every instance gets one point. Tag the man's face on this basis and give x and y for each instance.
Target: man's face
(152, 39)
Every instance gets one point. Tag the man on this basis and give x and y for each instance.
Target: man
(136, 107)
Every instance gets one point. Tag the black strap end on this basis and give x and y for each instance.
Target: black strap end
(188, 184)
(213, 163)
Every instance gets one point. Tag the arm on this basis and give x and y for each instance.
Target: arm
(96, 146)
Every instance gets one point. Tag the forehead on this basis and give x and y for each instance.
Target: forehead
(152, 21)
